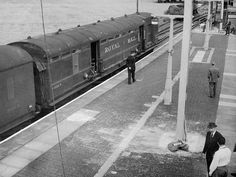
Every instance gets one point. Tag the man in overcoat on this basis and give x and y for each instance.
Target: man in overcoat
(131, 67)
(211, 143)
(227, 28)
(213, 75)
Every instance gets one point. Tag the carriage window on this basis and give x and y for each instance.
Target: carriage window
(103, 41)
(54, 59)
(110, 38)
(75, 58)
(10, 88)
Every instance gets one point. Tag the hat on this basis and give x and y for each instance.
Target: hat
(211, 125)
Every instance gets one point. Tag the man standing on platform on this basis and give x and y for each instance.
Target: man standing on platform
(211, 143)
(131, 66)
(227, 28)
(221, 159)
(213, 75)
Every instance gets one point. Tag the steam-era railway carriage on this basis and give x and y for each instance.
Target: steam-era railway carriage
(17, 100)
(51, 67)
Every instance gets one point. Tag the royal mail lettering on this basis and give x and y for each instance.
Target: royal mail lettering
(133, 38)
(112, 47)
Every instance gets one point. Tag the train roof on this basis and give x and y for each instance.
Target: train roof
(11, 57)
(64, 41)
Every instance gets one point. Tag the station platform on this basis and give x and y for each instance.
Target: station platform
(121, 130)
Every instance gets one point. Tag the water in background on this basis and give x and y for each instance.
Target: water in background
(20, 19)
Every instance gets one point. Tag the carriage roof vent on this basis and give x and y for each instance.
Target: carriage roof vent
(98, 21)
(29, 37)
(59, 30)
(78, 25)
(125, 15)
(112, 19)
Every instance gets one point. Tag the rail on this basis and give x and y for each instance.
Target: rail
(178, 27)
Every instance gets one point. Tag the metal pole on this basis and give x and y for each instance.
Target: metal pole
(137, 6)
(221, 14)
(168, 86)
(207, 38)
(180, 128)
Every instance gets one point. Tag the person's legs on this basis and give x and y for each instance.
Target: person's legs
(214, 89)
(208, 160)
(133, 76)
(211, 89)
(129, 76)
(220, 172)
(233, 174)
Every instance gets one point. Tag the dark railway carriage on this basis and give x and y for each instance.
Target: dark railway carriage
(129, 35)
(60, 64)
(17, 103)
(68, 60)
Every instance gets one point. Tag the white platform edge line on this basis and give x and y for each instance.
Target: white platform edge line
(227, 104)
(229, 74)
(233, 97)
(230, 54)
(233, 51)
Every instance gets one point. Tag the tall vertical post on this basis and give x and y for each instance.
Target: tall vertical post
(168, 85)
(207, 38)
(180, 128)
(136, 6)
(222, 14)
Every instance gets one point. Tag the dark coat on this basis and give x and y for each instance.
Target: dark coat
(213, 74)
(211, 145)
(131, 63)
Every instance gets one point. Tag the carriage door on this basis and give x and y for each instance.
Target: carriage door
(142, 37)
(94, 55)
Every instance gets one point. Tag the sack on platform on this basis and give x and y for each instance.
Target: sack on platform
(179, 145)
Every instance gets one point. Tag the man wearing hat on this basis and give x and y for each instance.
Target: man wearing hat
(213, 75)
(131, 66)
(211, 143)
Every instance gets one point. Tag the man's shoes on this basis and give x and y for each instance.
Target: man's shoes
(233, 174)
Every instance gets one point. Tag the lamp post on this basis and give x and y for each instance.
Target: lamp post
(137, 6)
(168, 86)
(221, 14)
(207, 38)
(180, 128)
(168, 83)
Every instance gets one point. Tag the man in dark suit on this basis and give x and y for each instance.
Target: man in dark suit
(227, 28)
(211, 143)
(213, 75)
(131, 67)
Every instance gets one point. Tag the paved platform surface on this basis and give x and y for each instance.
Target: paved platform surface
(123, 130)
